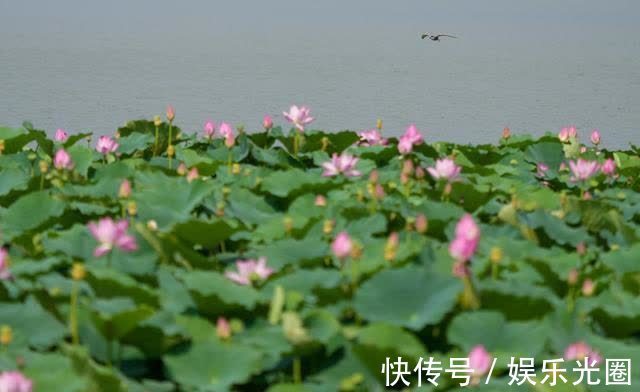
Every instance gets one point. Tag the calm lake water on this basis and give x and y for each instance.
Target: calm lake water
(85, 65)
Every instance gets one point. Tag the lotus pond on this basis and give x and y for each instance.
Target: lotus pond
(282, 260)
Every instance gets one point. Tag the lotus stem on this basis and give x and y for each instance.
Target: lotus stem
(170, 145)
(470, 296)
(494, 271)
(297, 370)
(155, 144)
(73, 314)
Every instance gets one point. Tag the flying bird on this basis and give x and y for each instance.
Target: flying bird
(436, 37)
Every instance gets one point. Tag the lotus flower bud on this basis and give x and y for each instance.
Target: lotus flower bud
(125, 189)
(588, 288)
(595, 137)
(152, 225)
(62, 160)
(356, 251)
(506, 133)
(1, 146)
(171, 151)
(61, 136)
(44, 166)
(288, 224)
(342, 245)
(391, 247)
(572, 279)
(407, 167)
(420, 173)
(235, 168)
(132, 208)
(421, 223)
(220, 209)
(267, 122)
(209, 129)
(6, 335)
(373, 176)
(157, 121)
(378, 192)
(479, 362)
(496, 254)
(78, 272)
(171, 113)
(328, 226)
(581, 248)
(182, 169)
(320, 201)
(379, 124)
(325, 143)
(608, 167)
(223, 329)
(404, 178)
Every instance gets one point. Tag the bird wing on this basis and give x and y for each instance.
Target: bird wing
(425, 35)
(446, 35)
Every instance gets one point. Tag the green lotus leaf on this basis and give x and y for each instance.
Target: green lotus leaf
(501, 338)
(208, 366)
(41, 328)
(408, 297)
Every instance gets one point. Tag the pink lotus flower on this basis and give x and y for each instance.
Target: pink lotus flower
(250, 271)
(193, 174)
(106, 145)
(609, 167)
(445, 169)
(223, 328)
(14, 381)
(4, 265)
(479, 360)
(566, 133)
(342, 245)
(467, 237)
(110, 234)
(209, 130)
(371, 138)
(171, 113)
(62, 160)
(125, 189)
(583, 170)
(595, 137)
(267, 122)
(579, 351)
(341, 164)
(541, 169)
(226, 131)
(61, 135)
(298, 116)
(410, 138)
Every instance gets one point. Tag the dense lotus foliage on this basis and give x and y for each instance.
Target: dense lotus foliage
(159, 260)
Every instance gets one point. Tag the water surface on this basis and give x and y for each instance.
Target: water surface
(85, 65)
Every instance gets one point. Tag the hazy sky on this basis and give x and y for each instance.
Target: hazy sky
(124, 18)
